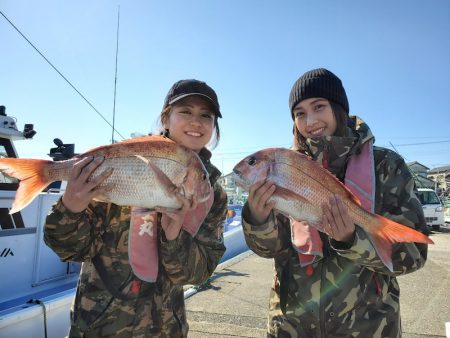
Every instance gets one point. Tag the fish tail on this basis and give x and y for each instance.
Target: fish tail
(386, 232)
(396, 232)
(31, 174)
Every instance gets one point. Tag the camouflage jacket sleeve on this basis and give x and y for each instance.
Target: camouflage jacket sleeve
(75, 236)
(191, 260)
(396, 200)
(270, 239)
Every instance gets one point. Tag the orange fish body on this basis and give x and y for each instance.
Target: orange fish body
(302, 185)
(147, 172)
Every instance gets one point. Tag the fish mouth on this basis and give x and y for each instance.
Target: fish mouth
(240, 180)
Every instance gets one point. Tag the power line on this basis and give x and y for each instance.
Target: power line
(420, 143)
(74, 88)
(231, 154)
(412, 137)
(248, 149)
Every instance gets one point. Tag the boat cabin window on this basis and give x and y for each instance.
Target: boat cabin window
(7, 150)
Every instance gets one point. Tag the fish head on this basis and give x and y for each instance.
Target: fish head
(254, 168)
(196, 182)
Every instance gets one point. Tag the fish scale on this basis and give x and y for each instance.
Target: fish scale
(133, 179)
(305, 204)
(302, 185)
(133, 182)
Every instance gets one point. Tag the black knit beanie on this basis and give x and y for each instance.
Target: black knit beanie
(318, 83)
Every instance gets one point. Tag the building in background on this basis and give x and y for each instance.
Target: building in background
(441, 177)
(437, 179)
(236, 195)
(420, 173)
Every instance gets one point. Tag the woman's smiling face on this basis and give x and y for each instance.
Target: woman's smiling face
(191, 122)
(314, 118)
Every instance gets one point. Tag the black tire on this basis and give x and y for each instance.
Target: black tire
(436, 227)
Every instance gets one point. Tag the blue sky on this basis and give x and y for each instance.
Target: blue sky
(392, 56)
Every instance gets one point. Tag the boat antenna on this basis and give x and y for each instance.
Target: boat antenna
(115, 75)
(65, 79)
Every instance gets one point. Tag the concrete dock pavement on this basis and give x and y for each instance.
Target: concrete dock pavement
(236, 303)
(425, 294)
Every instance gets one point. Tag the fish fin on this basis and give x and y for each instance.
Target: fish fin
(105, 195)
(397, 233)
(383, 249)
(146, 138)
(387, 232)
(287, 194)
(31, 174)
(351, 195)
(165, 209)
(165, 181)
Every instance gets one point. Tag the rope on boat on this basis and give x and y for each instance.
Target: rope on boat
(41, 303)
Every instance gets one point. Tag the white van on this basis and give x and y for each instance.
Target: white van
(432, 208)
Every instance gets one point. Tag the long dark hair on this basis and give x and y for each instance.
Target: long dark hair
(341, 117)
(164, 118)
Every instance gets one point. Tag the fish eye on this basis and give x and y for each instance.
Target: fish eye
(204, 177)
(251, 161)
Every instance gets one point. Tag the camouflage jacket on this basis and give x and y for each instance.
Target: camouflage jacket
(101, 233)
(349, 293)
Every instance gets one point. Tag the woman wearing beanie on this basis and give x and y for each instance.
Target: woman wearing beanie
(136, 260)
(337, 286)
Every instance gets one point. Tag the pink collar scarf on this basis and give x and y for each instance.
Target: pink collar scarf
(143, 238)
(360, 179)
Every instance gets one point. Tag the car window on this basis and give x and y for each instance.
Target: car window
(428, 197)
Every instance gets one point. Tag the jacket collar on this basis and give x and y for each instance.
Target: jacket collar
(335, 151)
(214, 173)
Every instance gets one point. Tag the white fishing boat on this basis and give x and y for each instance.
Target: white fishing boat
(233, 235)
(36, 288)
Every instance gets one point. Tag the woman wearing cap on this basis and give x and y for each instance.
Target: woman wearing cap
(338, 286)
(112, 299)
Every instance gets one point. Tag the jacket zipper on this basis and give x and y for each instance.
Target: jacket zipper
(325, 164)
(321, 310)
(325, 156)
(323, 334)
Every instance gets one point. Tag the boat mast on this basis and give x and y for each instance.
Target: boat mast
(115, 75)
(60, 73)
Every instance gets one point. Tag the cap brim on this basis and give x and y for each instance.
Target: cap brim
(217, 111)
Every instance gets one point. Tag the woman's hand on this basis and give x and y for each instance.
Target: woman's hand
(172, 219)
(259, 194)
(336, 220)
(79, 192)
(171, 222)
